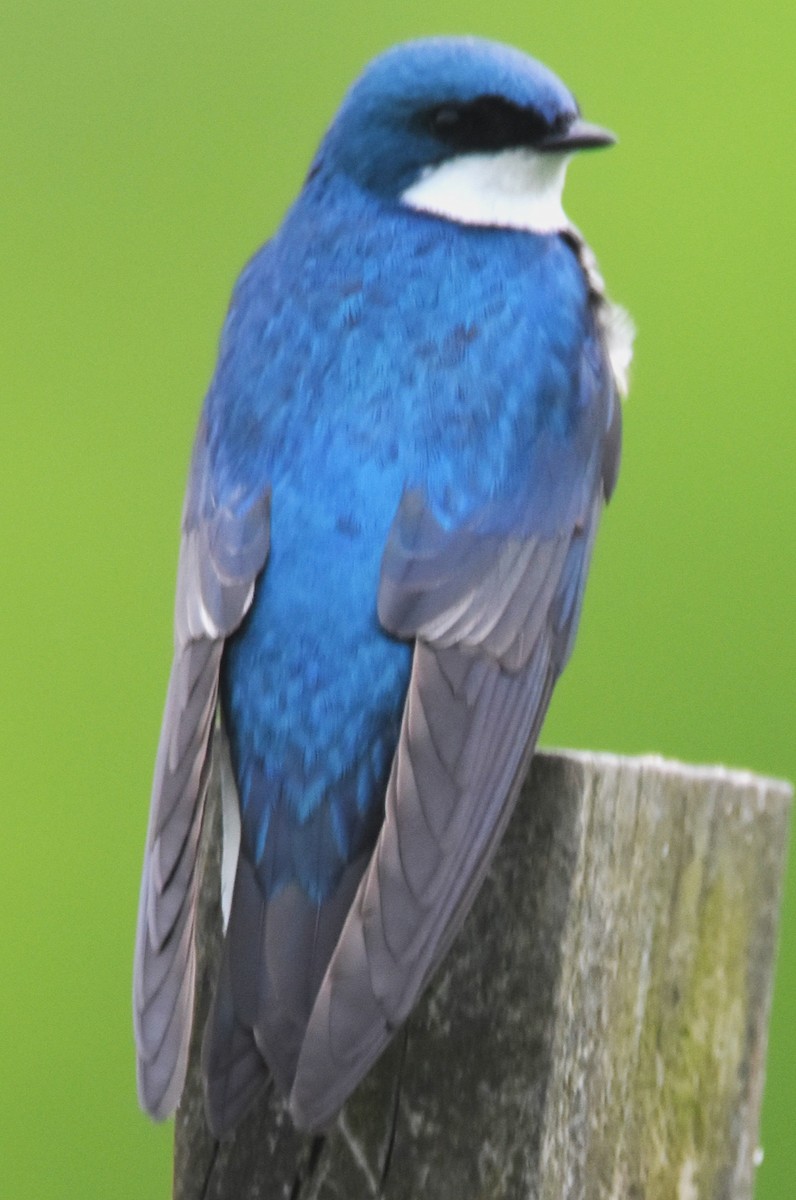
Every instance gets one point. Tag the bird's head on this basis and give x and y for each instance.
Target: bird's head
(463, 128)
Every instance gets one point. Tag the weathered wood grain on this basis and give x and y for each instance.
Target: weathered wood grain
(598, 1030)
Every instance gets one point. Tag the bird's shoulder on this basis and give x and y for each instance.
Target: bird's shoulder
(396, 332)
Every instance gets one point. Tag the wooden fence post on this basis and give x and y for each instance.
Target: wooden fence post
(598, 1031)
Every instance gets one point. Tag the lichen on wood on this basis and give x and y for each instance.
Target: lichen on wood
(597, 1031)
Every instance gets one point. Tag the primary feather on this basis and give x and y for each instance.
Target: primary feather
(415, 422)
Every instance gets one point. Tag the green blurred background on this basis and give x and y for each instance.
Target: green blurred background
(146, 149)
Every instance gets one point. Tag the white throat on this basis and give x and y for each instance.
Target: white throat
(512, 189)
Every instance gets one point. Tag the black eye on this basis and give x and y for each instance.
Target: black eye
(444, 120)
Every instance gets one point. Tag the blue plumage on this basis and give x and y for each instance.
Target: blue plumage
(379, 139)
(453, 358)
(397, 480)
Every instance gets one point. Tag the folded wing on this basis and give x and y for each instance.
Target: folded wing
(224, 547)
(494, 618)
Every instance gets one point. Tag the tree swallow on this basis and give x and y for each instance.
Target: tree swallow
(396, 483)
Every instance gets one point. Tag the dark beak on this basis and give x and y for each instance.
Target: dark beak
(579, 136)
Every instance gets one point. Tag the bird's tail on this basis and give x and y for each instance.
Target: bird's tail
(274, 958)
(232, 1067)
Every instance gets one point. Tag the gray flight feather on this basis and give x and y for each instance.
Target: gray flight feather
(307, 992)
(224, 547)
(494, 619)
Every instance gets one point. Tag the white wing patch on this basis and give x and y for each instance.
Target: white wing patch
(619, 331)
(616, 323)
(230, 820)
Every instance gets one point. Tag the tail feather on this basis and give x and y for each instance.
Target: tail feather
(232, 1067)
(274, 958)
